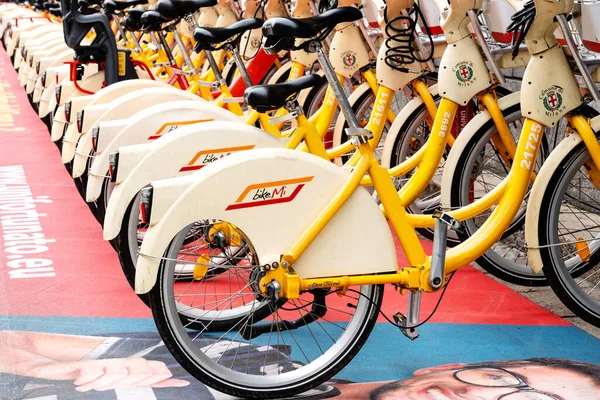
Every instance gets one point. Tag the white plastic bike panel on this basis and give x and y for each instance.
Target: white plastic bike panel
(181, 153)
(391, 78)
(102, 100)
(273, 195)
(549, 88)
(463, 73)
(303, 57)
(58, 124)
(226, 17)
(250, 42)
(208, 17)
(590, 35)
(431, 12)
(461, 142)
(542, 180)
(148, 125)
(93, 83)
(348, 52)
(124, 107)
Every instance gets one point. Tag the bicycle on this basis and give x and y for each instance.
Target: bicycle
(311, 223)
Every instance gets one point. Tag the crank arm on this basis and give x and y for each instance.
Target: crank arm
(318, 310)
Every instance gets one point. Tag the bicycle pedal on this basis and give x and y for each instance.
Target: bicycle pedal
(359, 132)
(402, 321)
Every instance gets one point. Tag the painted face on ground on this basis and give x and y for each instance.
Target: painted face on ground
(529, 381)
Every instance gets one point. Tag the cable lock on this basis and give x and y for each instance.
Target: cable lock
(400, 42)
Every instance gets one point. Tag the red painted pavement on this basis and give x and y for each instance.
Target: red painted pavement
(88, 280)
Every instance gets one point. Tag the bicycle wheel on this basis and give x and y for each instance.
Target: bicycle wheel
(480, 169)
(569, 234)
(130, 237)
(281, 361)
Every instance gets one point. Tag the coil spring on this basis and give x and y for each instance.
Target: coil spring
(521, 22)
(400, 41)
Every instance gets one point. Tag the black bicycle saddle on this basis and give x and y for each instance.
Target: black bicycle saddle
(133, 21)
(280, 33)
(264, 98)
(206, 38)
(310, 27)
(152, 21)
(180, 8)
(110, 6)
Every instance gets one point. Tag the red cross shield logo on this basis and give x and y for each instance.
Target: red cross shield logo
(349, 59)
(464, 73)
(552, 101)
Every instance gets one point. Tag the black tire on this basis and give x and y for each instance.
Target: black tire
(185, 358)
(560, 276)
(121, 245)
(127, 252)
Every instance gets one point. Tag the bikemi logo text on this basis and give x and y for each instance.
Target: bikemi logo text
(205, 157)
(266, 193)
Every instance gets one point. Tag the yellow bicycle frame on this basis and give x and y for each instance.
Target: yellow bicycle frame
(507, 197)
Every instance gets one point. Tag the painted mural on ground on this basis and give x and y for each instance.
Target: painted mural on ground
(36, 365)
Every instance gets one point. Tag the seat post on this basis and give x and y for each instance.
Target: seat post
(208, 54)
(338, 91)
(165, 46)
(136, 42)
(186, 57)
(239, 63)
(120, 28)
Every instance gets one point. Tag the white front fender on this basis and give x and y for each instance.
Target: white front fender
(401, 119)
(541, 184)
(170, 157)
(148, 125)
(300, 186)
(124, 107)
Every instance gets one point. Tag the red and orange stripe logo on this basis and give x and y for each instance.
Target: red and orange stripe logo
(205, 157)
(171, 126)
(267, 193)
